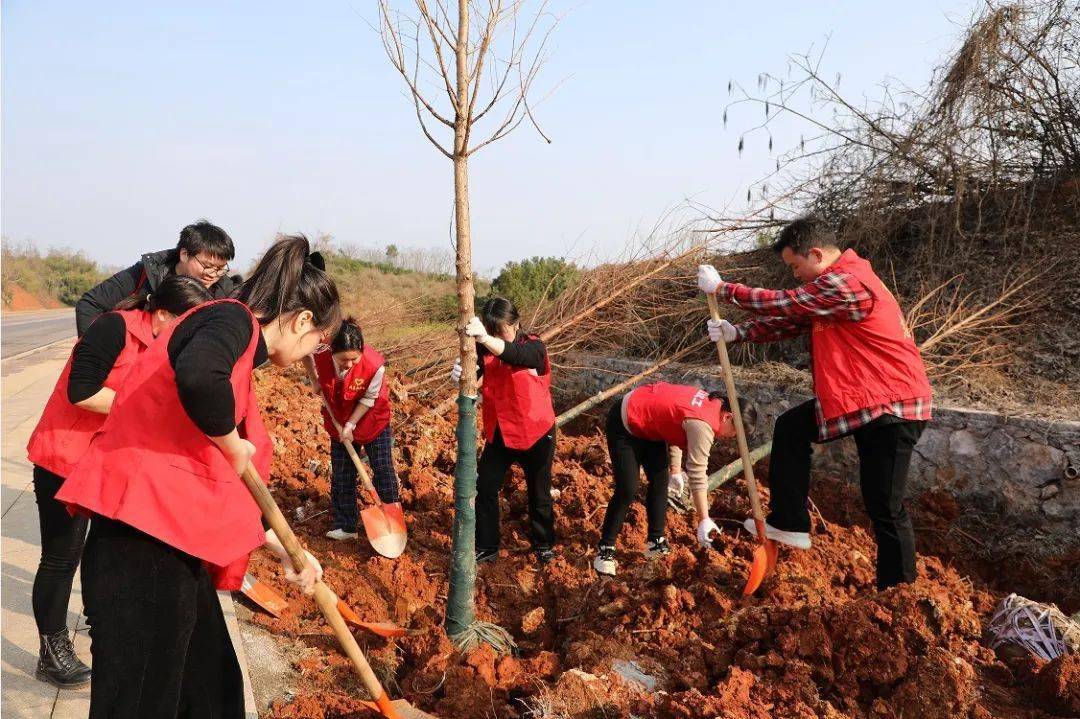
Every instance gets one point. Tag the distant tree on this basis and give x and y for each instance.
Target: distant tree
(529, 281)
(392, 254)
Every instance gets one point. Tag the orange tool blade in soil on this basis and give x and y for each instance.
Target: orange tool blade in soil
(266, 598)
(383, 629)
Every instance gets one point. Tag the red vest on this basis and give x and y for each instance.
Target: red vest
(858, 365)
(64, 431)
(517, 400)
(344, 393)
(152, 468)
(656, 412)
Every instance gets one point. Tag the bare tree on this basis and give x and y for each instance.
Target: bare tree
(464, 66)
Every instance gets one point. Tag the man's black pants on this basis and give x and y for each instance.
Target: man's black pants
(494, 463)
(884, 457)
(628, 455)
(160, 646)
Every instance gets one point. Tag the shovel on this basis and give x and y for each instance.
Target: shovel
(275, 605)
(764, 560)
(328, 604)
(384, 524)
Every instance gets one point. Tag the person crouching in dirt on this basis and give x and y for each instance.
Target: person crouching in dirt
(78, 406)
(869, 382)
(352, 378)
(651, 427)
(171, 518)
(519, 425)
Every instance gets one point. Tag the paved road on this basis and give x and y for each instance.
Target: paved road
(22, 331)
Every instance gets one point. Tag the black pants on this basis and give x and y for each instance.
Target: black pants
(159, 643)
(62, 538)
(884, 457)
(536, 462)
(628, 455)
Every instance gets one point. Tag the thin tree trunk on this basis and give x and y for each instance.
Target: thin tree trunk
(460, 605)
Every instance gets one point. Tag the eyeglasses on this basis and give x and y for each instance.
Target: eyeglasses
(212, 270)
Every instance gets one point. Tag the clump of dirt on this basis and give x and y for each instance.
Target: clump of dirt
(816, 641)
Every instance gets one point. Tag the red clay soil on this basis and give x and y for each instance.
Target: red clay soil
(816, 641)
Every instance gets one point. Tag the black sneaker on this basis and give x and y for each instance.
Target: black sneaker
(486, 555)
(657, 548)
(545, 555)
(605, 561)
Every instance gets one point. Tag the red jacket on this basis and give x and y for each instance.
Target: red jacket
(517, 400)
(64, 431)
(344, 393)
(656, 412)
(865, 364)
(152, 468)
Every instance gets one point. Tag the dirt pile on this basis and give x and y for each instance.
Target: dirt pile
(818, 640)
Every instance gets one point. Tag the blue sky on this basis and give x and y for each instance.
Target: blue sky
(123, 121)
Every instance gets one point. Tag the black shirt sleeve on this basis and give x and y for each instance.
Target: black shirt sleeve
(103, 298)
(203, 350)
(527, 352)
(94, 356)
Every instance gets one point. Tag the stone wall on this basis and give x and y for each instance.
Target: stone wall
(1024, 466)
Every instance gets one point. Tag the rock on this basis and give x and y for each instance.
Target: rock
(632, 673)
(532, 621)
(962, 443)
(1050, 490)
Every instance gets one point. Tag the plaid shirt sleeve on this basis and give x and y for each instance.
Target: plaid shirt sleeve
(831, 294)
(771, 329)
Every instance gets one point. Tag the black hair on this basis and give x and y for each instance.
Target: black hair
(498, 312)
(749, 412)
(802, 234)
(176, 295)
(348, 337)
(288, 279)
(202, 236)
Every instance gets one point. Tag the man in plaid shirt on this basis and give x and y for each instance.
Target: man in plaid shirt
(869, 382)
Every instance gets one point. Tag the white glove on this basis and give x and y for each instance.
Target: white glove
(722, 329)
(455, 374)
(305, 580)
(705, 529)
(676, 484)
(708, 279)
(475, 328)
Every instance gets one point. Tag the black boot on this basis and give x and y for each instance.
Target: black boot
(57, 663)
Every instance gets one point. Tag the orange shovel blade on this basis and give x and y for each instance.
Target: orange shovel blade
(385, 528)
(397, 708)
(265, 597)
(383, 629)
(770, 555)
(759, 567)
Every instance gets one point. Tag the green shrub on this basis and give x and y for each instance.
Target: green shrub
(60, 274)
(526, 282)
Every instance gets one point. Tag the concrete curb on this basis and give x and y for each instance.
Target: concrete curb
(228, 608)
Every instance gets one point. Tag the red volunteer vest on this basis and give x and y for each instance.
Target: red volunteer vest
(865, 364)
(152, 468)
(64, 431)
(517, 400)
(344, 393)
(656, 412)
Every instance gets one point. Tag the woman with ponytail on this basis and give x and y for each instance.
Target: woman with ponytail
(651, 427)
(172, 521)
(77, 408)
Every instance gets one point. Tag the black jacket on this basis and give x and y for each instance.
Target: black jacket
(150, 270)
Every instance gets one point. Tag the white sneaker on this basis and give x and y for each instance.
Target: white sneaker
(341, 534)
(605, 561)
(799, 540)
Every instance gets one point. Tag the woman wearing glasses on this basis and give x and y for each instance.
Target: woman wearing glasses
(203, 252)
(171, 519)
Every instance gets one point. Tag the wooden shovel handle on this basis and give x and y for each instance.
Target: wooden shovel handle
(736, 415)
(365, 480)
(324, 596)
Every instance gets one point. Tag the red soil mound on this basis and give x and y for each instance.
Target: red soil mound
(816, 641)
